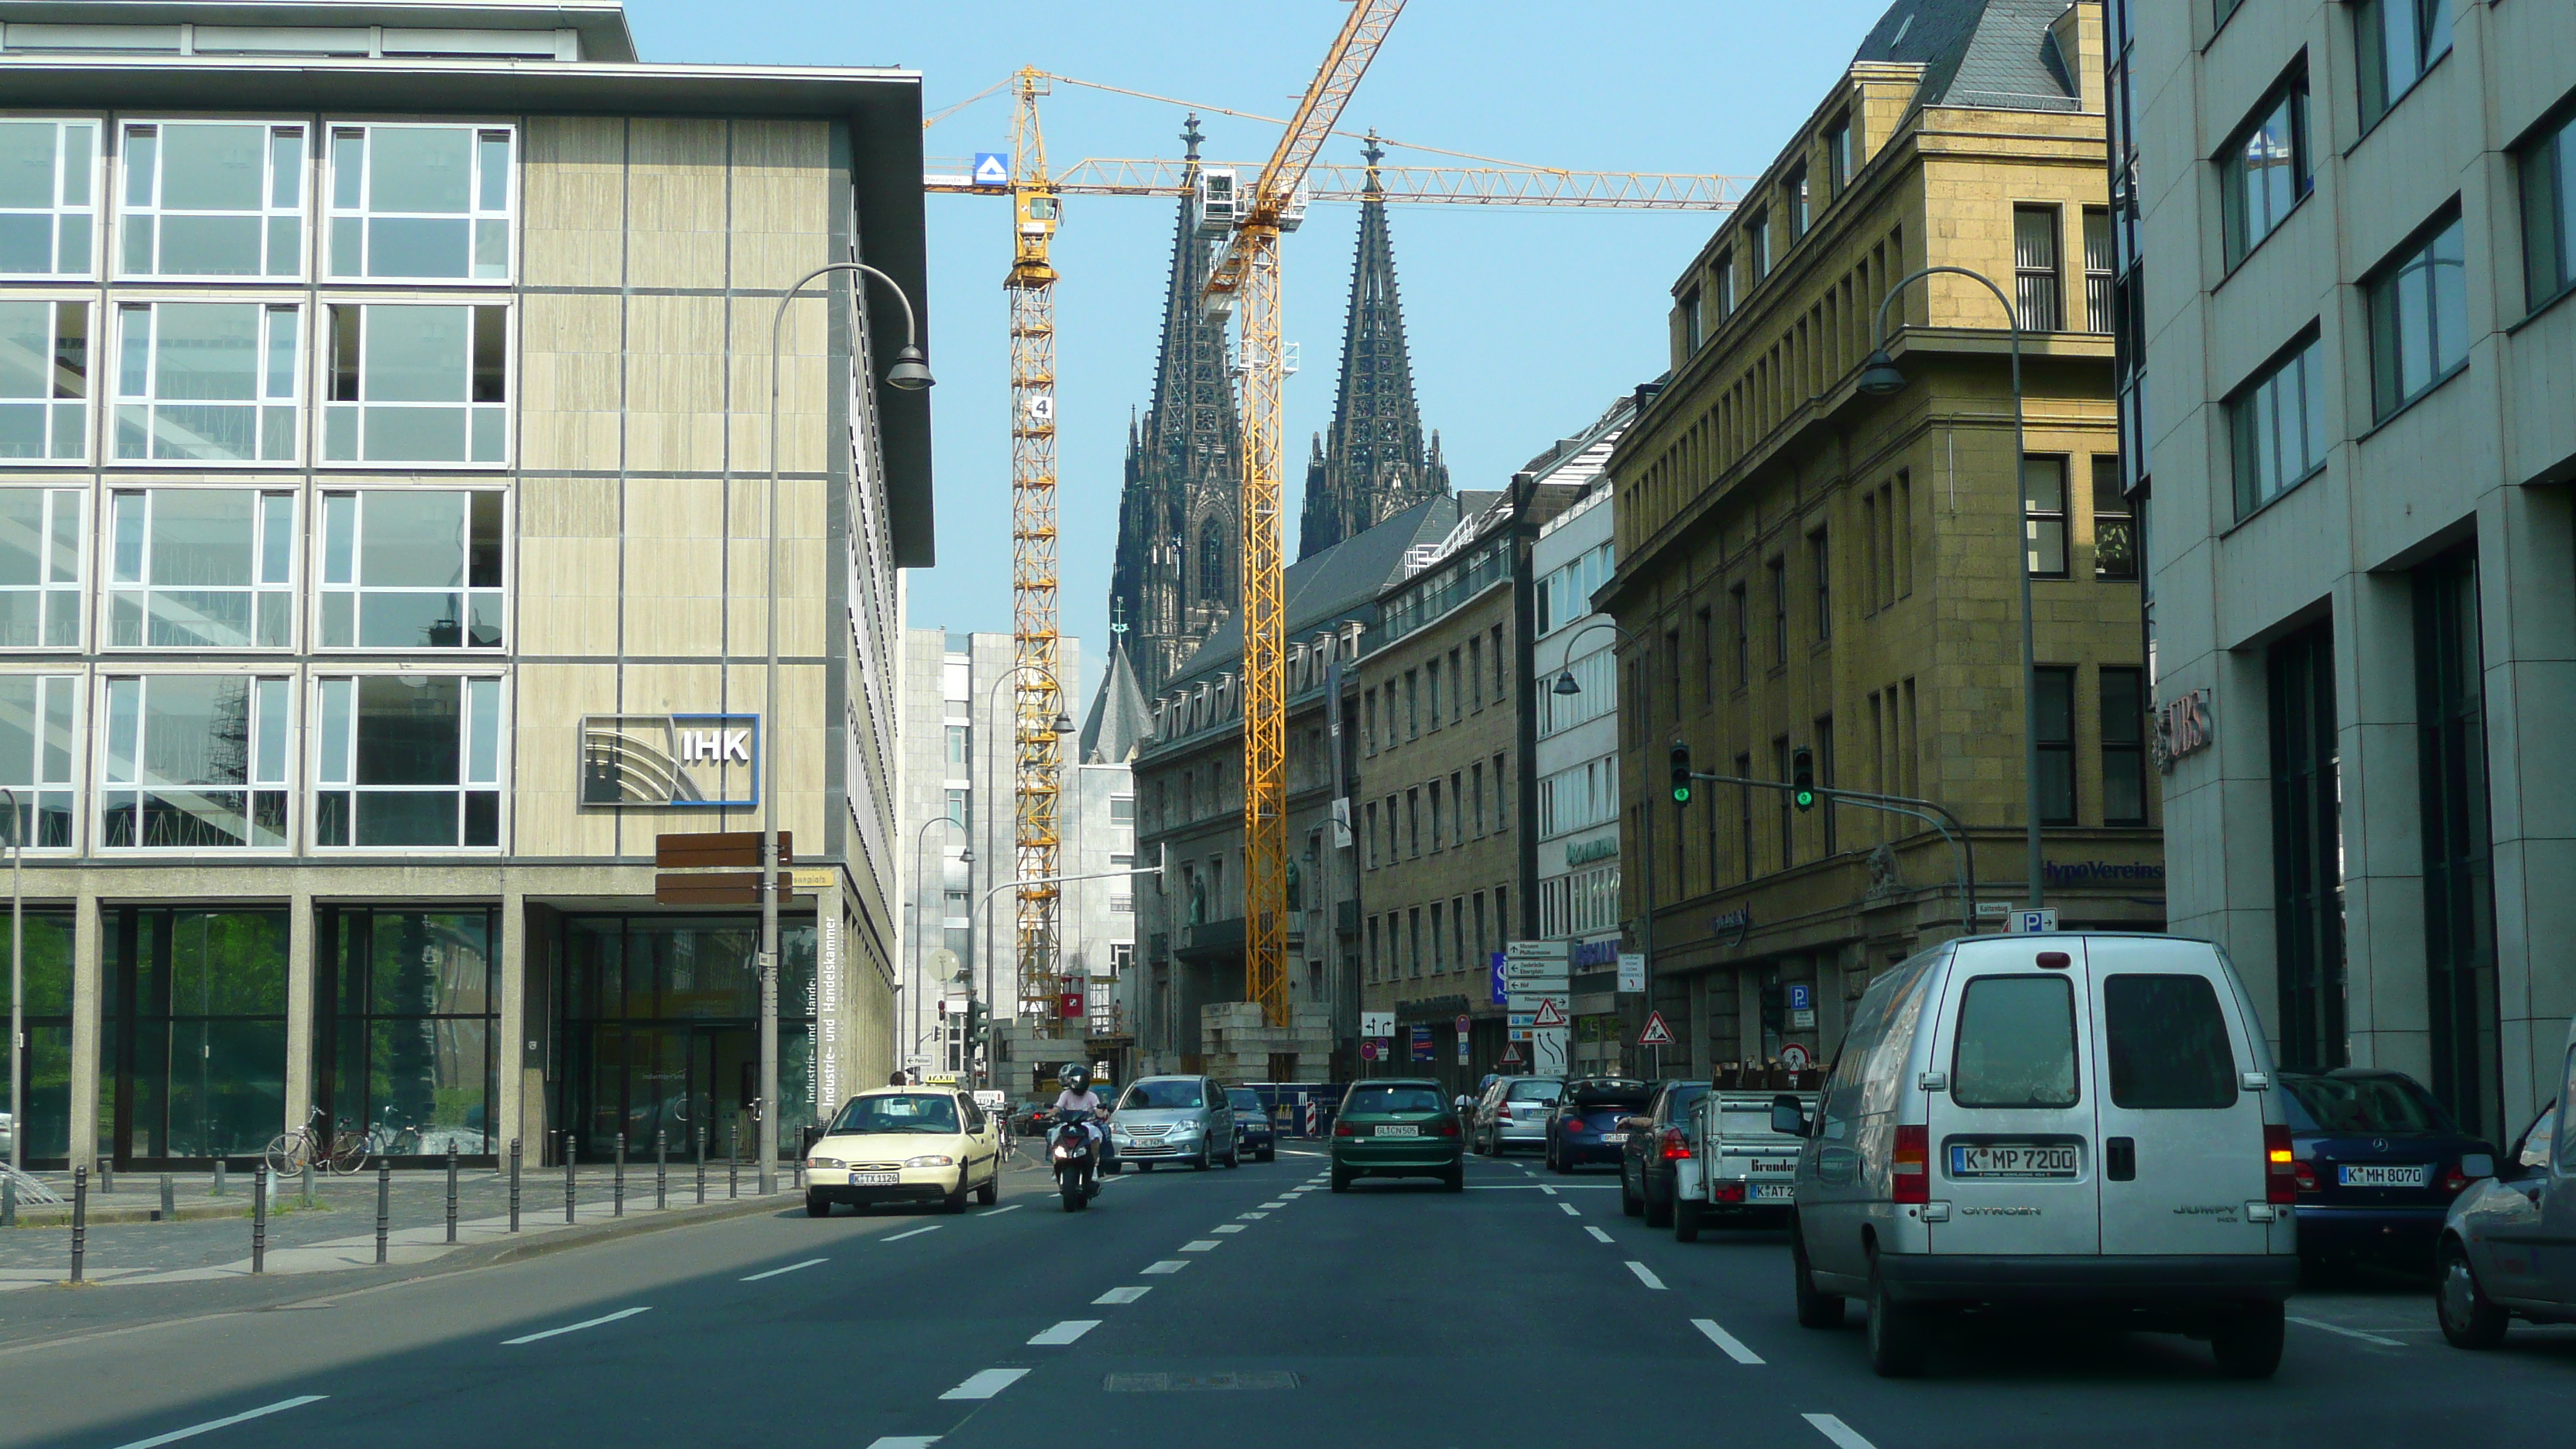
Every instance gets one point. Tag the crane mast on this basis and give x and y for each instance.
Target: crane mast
(1036, 696)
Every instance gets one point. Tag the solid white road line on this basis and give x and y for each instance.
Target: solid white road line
(1015, 1207)
(1200, 1245)
(1598, 1236)
(2346, 1332)
(193, 1430)
(1168, 1265)
(575, 1327)
(1734, 1346)
(1842, 1434)
(1571, 1210)
(1124, 1295)
(790, 1268)
(1067, 1331)
(1644, 1274)
(1227, 1228)
(987, 1383)
(916, 1232)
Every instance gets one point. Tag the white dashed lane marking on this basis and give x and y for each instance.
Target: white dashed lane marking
(1571, 1210)
(1252, 1217)
(1842, 1434)
(1227, 1228)
(1599, 1236)
(1066, 1332)
(1124, 1295)
(1168, 1265)
(1734, 1346)
(1200, 1245)
(574, 1327)
(916, 1232)
(790, 1268)
(194, 1430)
(1645, 1274)
(904, 1441)
(987, 1383)
(2347, 1332)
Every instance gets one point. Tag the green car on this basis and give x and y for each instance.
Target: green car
(1401, 1128)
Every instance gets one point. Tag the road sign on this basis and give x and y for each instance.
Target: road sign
(1377, 1023)
(1422, 1043)
(1802, 997)
(1498, 991)
(1656, 1033)
(991, 169)
(1994, 908)
(1516, 972)
(1632, 971)
(1512, 1060)
(2044, 919)
(1368, 1048)
(1795, 1057)
(1551, 1012)
(1547, 1049)
(1462, 1025)
(1522, 1033)
(1527, 1019)
(1557, 951)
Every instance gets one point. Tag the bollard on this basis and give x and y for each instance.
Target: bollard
(384, 1204)
(661, 1170)
(800, 1170)
(733, 1172)
(80, 1219)
(219, 1178)
(617, 1184)
(570, 1151)
(106, 1177)
(259, 1218)
(307, 1175)
(169, 1198)
(701, 1135)
(8, 1202)
(514, 1184)
(451, 1189)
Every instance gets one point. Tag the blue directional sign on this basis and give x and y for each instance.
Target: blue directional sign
(1501, 996)
(992, 169)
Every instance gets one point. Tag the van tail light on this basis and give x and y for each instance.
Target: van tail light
(1342, 1128)
(2455, 1180)
(2280, 1169)
(1727, 1192)
(1675, 1148)
(1913, 1176)
(1448, 1128)
(2305, 1175)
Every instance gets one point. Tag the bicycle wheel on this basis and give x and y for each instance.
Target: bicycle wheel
(348, 1152)
(285, 1153)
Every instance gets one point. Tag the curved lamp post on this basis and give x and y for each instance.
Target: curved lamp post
(1565, 685)
(1879, 377)
(921, 898)
(910, 373)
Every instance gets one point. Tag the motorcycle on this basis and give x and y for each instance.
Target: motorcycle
(1076, 1160)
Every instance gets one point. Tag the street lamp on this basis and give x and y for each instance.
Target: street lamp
(1062, 725)
(17, 991)
(920, 898)
(1880, 378)
(910, 373)
(1565, 685)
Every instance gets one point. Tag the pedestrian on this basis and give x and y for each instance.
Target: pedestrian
(900, 1078)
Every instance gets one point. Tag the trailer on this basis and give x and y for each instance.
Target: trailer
(1739, 1172)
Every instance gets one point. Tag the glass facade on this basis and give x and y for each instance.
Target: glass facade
(407, 1017)
(193, 1039)
(45, 1076)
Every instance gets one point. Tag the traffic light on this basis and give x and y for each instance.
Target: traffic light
(978, 1023)
(1802, 778)
(1681, 773)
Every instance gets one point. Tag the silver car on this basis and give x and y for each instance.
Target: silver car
(2508, 1248)
(1513, 1113)
(1173, 1119)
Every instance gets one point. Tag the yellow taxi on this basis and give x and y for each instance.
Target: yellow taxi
(905, 1144)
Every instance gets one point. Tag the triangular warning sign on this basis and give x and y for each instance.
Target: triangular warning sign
(1549, 1013)
(991, 170)
(1656, 1033)
(1512, 1057)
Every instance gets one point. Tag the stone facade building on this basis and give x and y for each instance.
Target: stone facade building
(1805, 566)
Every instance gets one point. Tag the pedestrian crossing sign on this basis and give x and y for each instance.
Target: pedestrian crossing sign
(991, 169)
(1656, 1033)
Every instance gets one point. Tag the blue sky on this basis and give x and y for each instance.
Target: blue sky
(1523, 323)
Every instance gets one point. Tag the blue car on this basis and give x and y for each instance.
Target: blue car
(1588, 1128)
(2377, 1165)
(1253, 1135)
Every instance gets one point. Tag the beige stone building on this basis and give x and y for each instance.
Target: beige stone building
(1802, 566)
(383, 440)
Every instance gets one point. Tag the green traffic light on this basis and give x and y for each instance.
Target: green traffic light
(1681, 795)
(1805, 799)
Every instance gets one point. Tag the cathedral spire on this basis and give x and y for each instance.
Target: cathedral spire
(1374, 462)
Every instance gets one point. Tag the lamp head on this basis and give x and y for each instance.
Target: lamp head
(1879, 377)
(1063, 723)
(911, 370)
(966, 856)
(1565, 682)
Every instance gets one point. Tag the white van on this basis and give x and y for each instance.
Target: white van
(2078, 1120)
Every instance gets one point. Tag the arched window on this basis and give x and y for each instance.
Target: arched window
(1212, 560)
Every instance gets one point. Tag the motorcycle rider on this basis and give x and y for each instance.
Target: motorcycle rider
(1078, 1097)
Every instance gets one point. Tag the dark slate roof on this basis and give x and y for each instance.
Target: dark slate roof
(1120, 721)
(1994, 54)
(1346, 577)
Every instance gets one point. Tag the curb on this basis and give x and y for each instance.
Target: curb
(488, 1255)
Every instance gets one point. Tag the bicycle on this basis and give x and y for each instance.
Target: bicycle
(294, 1151)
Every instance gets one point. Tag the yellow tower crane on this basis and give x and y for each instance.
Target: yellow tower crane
(1037, 699)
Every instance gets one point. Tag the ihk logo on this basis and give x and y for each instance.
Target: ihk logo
(715, 747)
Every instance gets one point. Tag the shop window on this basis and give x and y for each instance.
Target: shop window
(408, 760)
(45, 1075)
(412, 569)
(417, 384)
(213, 199)
(194, 762)
(201, 568)
(409, 1009)
(40, 543)
(36, 752)
(48, 198)
(420, 203)
(193, 1048)
(44, 380)
(2419, 319)
(206, 382)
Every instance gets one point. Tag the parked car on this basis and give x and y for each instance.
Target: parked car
(2378, 1163)
(1655, 1144)
(1514, 1110)
(2070, 1119)
(1400, 1128)
(1168, 1119)
(905, 1144)
(2508, 1248)
(1253, 1132)
(1033, 1116)
(1587, 1127)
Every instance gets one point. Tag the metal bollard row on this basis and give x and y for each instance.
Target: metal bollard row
(259, 1218)
(514, 1184)
(384, 1204)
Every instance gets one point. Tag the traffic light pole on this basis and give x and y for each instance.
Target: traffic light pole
(1932, 812)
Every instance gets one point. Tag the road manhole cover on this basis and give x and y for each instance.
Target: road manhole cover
(1194, 1383)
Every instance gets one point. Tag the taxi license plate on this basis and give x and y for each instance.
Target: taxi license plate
(1614, 1136)
(2411, 1175)
(2012, 1159)
(873, 1179)
(1774, 1192)
(1399, 1132)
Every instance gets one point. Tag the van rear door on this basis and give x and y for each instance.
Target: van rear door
(2011, 1127)
(2182, 1143)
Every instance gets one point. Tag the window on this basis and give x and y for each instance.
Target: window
(48, 198)
(2549, 215)
(2115, 528)
(2419, 320)
(2056, 786)
(417, 384)
(419, 569)
(2016, 1045)
(1825, 779)
(2035, 281)
(1211, 560)
(1122, 810)
(1793, 192)
(1412, 705)
(1724, 282)
(206, 382)
(1757, 228)
(194, 761)
(2396, 41)
(213, 199)
(1413, 934)
(2124, 756)
(36, 750)
(40, 540)
(1901, 520)
(1838, 155)
(44, 376)
(2167, 1043)
(2276, 425)
(1744, 814)
(420, 203)
(959, 738)
(2097, 270)
(408, 760)
(1475, 675)
(2307, 851)
(1371, 833)
(1502, 808)
(201, 568)
(2265, 170)
(1781, 771)
(1413, 821)
(1743, 635)
(405, 1030)
(2043, 493)
(1779, 611)
(1707, 657)
(1821, 556)
(1694, 322)
(960, 802)
(1431, 690)
(1436, 836)
(1476, 778)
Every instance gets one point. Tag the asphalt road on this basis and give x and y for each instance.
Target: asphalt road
(1237, 1309)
